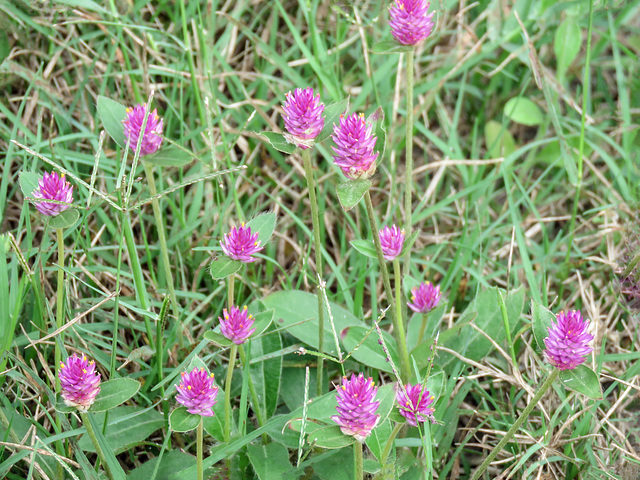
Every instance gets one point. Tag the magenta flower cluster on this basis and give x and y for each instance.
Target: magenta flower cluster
(152, 136)
(303, 118)
(354, 149)
(236, 324)
(414, 404)
(53, 187)
(240, 244)
(197, 392)
(392, 241)
(568, 341)
(425, 297)
(79, 382)
(410, 24)
(357, 406)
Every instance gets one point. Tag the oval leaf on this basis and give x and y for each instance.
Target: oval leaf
(115, 392)
(330, 437)
(112, 114)
(223, 267)
(566, 44)
(264, 225)
(524, 111)
(171, 156)
(279, 142)
(500, 142)
(331, 116)
(582, 380)
(29, 183)
(65, 219)
(350, 193)
(388, 47)
(365, 247)
(542, 319)
(182, 421)
(369, 351)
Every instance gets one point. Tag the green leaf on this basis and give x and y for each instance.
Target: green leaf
(415, 324)
(86, 4)
(171, 461)
(222, 267)
(408, 242)
(365, 247)
(111, 460)
(335, 465)
(214, 425)
(112, 114)
(261, 322)
(350, 193)
(371, 466)
(500, 142)
(542, 319)
(170, 156)
(524, 111)
(582, 380)
(378, 438)
(271, 461)
(217, 338)
(5, 48)
(266, 374)
(566, 45)
(263, 224)
(377, 118)
(388, 47)
(279, 142)
(182, 421)
(29, 183)
(65, 219)
(115, 392)
(332, 116)
(370, 352)
(330, 437)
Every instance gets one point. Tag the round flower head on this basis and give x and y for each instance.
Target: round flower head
(236, 324)
(354, 141)
(392, 240)
(424, 297)
(152, 136)
(356, 407)
(568, 341)
(53, 187)
(414, 403)
(240, 244)
(197, 392)
(409, 21)
(79, 382)
(303, 117)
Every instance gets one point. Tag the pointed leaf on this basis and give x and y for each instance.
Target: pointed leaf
(279, 142)
(542, 319)
(115, 392)
(222, 267)
(524, 111)
(388, 47)
(582, 380)
(29, 183)
(351, 192)
(65, 219)
(264, 224)
(566, 44)
(365, 247)
(370, 351)
(182, 421)
(271, 461)
(112, 114)
(170, 156)
(332, 116)
(330, 437)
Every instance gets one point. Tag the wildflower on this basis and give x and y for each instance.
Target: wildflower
(392, 240)
(152, 136)
(424, 297)
(409, 21)
(414, 403)
(353, 152)
(79, 382)
(356, 407)
(240, 244)
(303, 117)
(568, 341)
(236, 324)
(53, 187)
(197, 392)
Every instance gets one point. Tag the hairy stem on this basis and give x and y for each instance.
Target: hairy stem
(200, 441)
(92, 435)
(408, 190)
(227, 392)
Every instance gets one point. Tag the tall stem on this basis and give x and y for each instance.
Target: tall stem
(60, 340)
(390, 440)
(92, 435)
(315, 220)
(230, 293)
(408, 190)
(199, 450)
(405, 365)
(516, 426)
(254, 395)
(358, 472)
(227, 392)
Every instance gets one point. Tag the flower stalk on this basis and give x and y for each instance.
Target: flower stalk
(408, 199)
(358, 462)
(405, 365)
(200, 441)
(92, 435)
(227, 392)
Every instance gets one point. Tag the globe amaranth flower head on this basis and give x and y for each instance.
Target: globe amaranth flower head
(236, 324)
(152, 136)
(409, 22)
(392, 241)
(197, 392)
(53, 187)
(354, 141)
(303, 118)
(240, 244)
(568, 341)
(413, 403)
(79, 382)
(425, 297)
(357, 406)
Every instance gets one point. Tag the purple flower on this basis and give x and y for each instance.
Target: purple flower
(568, 341)
(197, 392)
(353, 152)
(414, 403)
(409, 21)
(303, 117)
(392, 240)
(236, 324)
(356, 407)
(152, 137)
(424, 298)
(53, 187)
(79, 382)
(240, 244)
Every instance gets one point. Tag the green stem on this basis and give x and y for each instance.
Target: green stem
(315, 219)
(357, 457)
(254, 394)
(227, 393)
(59, 341)
(408, 191)
(92, 435)
(423, 328)
(516, 426)
(199, 449)
(230, 295)
(405, 365)
(389, 444)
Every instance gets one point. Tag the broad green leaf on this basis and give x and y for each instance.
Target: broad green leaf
(112, 114)
(170, 156)
(431, 320)
(350, 193)
(266, 374)
(542, 319)
(388, 47)
(114, 392)
(330, 437)
(65, 219)
(335, 465)
(566, 45)
(378, 438)
(112, 462)
(214, 425)
(224, 266)
(500, 142)
(371, 466)
(217, 338)
(264, 224)
(271, 461)
(365, 247)
(332, 115)
(370, 352)
(408, 242)
(277, 141)
(582, 380)
(182, 421)
(29, 183)
(524, 111)
(172, 461)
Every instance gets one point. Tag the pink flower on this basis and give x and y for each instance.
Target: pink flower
(356, 407)
(568, 341)
(303, 117)
(152, 136)
(353, 152)
(392, 241)
(424, 298)
(409, 21)
(236, 324)
(79, 382)
(53, 187)
(197, 392)
(240, 244)
(414, 404)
